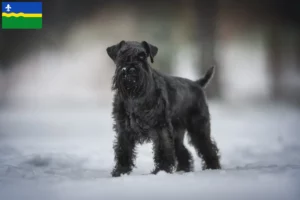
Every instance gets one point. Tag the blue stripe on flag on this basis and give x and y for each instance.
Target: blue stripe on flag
(25, 7)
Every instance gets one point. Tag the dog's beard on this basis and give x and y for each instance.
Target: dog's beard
(130, 85)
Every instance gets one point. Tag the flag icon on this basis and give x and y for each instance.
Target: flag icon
(22, 15)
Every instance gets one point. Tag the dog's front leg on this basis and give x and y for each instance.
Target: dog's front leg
(125, 154)
(164, 154)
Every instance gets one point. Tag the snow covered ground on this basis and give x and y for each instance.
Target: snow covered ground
(67, 154)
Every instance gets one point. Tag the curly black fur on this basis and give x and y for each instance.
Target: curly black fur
(149, 106)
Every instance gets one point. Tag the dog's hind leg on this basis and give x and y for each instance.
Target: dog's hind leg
(200, 138)
(184, 157)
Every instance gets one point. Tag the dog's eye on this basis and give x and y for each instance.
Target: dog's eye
(142, 56)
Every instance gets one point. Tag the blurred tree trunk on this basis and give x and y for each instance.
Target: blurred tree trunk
(298, 51)
(298, 64)
(156, 25)
(207, 12)
(274, 61)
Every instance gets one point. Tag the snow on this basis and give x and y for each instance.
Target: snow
(55, 154)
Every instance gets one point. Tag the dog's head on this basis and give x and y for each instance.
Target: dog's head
(132, 68)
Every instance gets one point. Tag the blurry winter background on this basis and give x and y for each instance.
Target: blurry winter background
(55, 99)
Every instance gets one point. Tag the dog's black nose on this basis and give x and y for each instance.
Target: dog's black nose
(131, 70)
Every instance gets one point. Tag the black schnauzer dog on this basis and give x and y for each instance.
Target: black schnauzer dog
(149, 106)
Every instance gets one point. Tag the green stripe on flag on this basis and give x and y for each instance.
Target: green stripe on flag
(21, 22)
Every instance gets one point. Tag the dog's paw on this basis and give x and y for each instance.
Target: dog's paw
(155, 171)
(117, 172)
(168, 170)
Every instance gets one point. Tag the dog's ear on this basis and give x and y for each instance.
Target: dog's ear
(112, 51)
(150, 49)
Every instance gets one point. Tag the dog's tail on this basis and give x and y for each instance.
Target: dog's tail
(203, 82)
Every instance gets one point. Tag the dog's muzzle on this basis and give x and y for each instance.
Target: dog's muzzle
(129, 74)
(129, 70)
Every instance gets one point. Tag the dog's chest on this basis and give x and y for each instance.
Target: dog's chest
(143, 116)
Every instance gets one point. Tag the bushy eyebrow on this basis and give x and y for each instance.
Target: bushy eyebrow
(128, 52)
